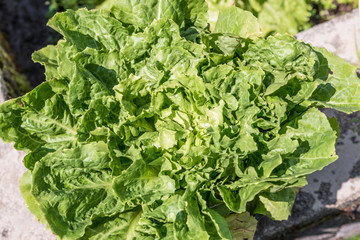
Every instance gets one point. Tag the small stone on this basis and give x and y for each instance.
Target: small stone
(4, 233)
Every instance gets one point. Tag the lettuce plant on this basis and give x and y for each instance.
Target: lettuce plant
(61, 5)
(150, 126)
(279, 16)
(282, 16)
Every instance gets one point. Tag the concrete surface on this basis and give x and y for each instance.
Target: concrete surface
(16, 221)
(336, 189)
(337, 36)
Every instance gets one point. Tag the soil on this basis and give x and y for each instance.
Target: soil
(328, 15)
(23, 23)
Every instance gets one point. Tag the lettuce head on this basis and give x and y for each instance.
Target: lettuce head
(150, 126)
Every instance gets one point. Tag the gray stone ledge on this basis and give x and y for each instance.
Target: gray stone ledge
(337, 36)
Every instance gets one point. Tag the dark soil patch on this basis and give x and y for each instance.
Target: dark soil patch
(340, 9)
(23, 23)
(355, 172)
(324, 194)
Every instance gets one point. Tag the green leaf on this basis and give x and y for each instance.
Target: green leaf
(105, 32)
(283, 16)
(73, 185)
(151, 127)
(142, 13)
(341, 90)
(119, 226)
(316, 139)
(38, 127)
(278, 204)
(189, 224)
(49, 59)
(242, 226)
(279, 16)
(31, 204)
(143, 181)
(238, 22)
